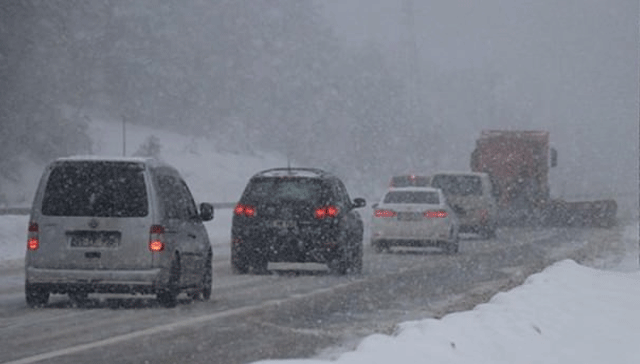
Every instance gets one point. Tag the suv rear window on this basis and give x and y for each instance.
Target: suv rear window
(100, 189)
(409, 181)
(458, 185)
(283, 188)
(422, 197)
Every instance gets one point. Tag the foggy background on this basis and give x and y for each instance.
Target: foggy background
(364, 88)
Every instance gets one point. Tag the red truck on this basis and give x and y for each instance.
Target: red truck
(518, 163)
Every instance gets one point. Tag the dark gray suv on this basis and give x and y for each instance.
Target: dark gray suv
(299, 215)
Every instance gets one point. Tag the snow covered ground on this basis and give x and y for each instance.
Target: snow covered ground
(567, 313)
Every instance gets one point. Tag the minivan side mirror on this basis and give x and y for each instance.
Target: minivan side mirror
(359, 202)
(374, 206)
(206, 211)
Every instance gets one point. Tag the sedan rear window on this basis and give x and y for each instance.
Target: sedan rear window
(421, 197)
(100, 189)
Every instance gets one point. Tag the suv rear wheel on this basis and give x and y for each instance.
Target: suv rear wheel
(239, 264)
(36, 296)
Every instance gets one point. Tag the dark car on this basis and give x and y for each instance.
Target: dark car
(298, 215)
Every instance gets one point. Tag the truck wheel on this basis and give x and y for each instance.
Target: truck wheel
(78, 297)
(36, 296)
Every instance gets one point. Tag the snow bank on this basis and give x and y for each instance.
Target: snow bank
(566, 314)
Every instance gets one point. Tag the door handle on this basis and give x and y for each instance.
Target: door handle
(192, 236)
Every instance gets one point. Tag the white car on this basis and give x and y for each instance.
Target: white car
(415, 217)
(472, 196)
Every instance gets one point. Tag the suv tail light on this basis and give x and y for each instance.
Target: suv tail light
(246, 210)
(156, 237)
(327, 211)
(33, 240)
(431, 214)
(385, 213)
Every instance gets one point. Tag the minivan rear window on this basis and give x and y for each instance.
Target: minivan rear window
(409, 181)
(458, 185)
(99, 189)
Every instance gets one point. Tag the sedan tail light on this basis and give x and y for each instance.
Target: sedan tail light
(385, 213)
(156, 238)
(432, 214)
(33, 239)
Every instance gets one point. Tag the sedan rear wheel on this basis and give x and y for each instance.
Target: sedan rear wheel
(452, 245)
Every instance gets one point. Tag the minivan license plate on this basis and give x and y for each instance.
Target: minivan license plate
(94, 239)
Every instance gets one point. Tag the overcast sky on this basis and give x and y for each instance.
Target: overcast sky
(571, 65)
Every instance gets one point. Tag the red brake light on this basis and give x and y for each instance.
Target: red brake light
(156, 235)
(332, 211)
(385, 213)
(239, 210)
(435, 214)
(33, 244)
(328, 211)
(33, 240)
(246, 210)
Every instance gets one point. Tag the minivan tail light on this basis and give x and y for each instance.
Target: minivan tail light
(156, 238)
(33, 240)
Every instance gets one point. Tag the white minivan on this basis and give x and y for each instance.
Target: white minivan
(472, 197)
(116, 225)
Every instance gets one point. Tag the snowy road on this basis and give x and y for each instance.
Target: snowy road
(286, 314)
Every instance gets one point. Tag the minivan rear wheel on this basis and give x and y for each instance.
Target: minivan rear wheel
(168, 296)
(36, 296)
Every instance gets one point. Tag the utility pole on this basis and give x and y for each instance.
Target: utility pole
(124, 138)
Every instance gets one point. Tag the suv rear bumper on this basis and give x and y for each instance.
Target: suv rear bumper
(303, 247)
(95, 281)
